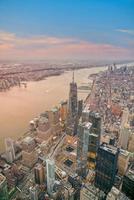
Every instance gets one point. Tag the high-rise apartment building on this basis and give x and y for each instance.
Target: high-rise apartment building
(50, 175)
(124, 137)
(39, 174)
(106, 167)
(124, 130)
(123, 161)
(131, 143)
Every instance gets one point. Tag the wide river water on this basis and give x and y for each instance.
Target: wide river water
(20, 105)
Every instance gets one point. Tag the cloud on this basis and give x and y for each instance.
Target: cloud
(128, 31)
(42, 46)
(33, 40)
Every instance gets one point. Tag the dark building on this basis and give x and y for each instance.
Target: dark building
(128, 184)
(106, 167)
(73, 98)
(39, 174)
(95, 119)
(72, 119)
(80, 108)
(94, 136)
(112, 141)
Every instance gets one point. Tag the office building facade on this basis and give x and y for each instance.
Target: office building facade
(82, 147)
(73, 98)
(94, 136)
(128, 184)
(50, 175)
(39, 174)
(106, 167)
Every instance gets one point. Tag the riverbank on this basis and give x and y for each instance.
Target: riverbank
(12, 75)
(19, 105)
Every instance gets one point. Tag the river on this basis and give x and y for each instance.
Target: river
(19, 105)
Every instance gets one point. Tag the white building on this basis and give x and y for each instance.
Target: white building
(124, 130)
(10, 150)
(50, 175)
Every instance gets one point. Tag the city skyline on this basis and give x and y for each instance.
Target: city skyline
(91, 30)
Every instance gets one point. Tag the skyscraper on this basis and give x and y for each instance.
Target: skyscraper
(10, 150)
(50, 175)
(82, 147)
(106, 167)
(3, 188)
(54, 119)
(63, 111)
(29, 154)
(124, 137)
(39, 174)
(94, 135)
(94, 138)
(124, 130)
(63, 114)
(123, 162)
(72, 119)
(80, 107)
(73, 98)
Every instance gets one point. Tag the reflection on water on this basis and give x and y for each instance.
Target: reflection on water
(19, 105)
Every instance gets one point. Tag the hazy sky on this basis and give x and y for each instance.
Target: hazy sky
(57, 29)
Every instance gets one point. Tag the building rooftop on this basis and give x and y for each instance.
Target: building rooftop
(43, 119)
(87, 125)
(38, 166)
(109, 148)
(2, 179)
(28, 139)
(86, 109)
(95, 114)
(63, 102)
(130, 174)
(124, 153)
(55, 109)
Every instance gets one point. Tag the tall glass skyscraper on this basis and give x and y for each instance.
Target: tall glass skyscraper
(106, 167)
(50, 175)
(82, 147)
(73, 98)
